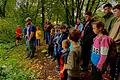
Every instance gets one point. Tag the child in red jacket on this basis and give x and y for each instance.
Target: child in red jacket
(63, 58)
(18, 34)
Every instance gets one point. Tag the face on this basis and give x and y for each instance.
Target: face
(95, 29)
(51, 32)
(28, 22)
(107, 10)
(57, 30)
(87, 18)
(116, 12)
(78, 21)
(62, 30)
(37, 27)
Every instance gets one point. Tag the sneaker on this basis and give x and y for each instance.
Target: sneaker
(44, 51)
(49, 57)
(53, 59)
(106, 76)
(27, 56)
(58, 68)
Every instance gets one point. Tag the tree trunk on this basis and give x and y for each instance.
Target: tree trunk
(42, 1)
(57, 19)
(87, 6)
(72, 13)
(37, 10)
(0, 12)
(96, 7)
(67, 19)
(81, 8)
(4, 6)
(78, 5)
(93, 2)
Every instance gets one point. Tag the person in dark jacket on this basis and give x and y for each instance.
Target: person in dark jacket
(87, 36)
(30, 37)
(51, 43)
(63, 36)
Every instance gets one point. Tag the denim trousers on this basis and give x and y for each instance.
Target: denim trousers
(47, 37)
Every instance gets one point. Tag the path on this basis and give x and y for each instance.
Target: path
(43, 67)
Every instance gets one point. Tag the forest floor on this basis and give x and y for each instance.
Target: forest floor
(15, 66)
(43, 67)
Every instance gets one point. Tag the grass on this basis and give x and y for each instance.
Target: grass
(14, 65)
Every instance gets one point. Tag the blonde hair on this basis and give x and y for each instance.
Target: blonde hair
(38, 27)
(66, 42)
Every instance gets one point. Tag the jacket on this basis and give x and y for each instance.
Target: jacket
(73, 62)
(115, 34)
(108, 20)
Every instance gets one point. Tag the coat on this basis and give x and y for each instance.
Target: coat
(115, 34)
(108, 20)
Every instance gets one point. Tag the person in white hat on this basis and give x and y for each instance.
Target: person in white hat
(30, 37)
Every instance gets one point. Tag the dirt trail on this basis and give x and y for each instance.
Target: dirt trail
(43, 67)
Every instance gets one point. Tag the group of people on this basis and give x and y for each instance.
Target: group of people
(87, 43)
(31, 34)
(95, 42)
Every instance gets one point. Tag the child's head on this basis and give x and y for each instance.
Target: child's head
(74, 35)
(63, 28)
(57, 28)
(52, 32)
(19, 26)
(38, 27)
(98, 27)
(65, 44)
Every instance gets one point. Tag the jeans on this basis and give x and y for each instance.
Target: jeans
(96, 75)
(31, 49)
(47, 37)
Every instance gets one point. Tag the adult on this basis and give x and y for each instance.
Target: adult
(47, 29)
(30, 37)
(79, 25)
(115, 35)
(108, 18)
(87, 36)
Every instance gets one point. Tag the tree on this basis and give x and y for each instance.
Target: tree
(42, 1)
(72, 17)
(3, 7)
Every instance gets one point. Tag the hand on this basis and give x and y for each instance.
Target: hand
(99, 69)
(62, 71)
(29, 39)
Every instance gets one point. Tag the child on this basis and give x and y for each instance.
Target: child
(55, 40)
(38, 37)
(100, 50)
(51, 44)
(18, 34)
(74, 57)
(63, 36)
(63, 58)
